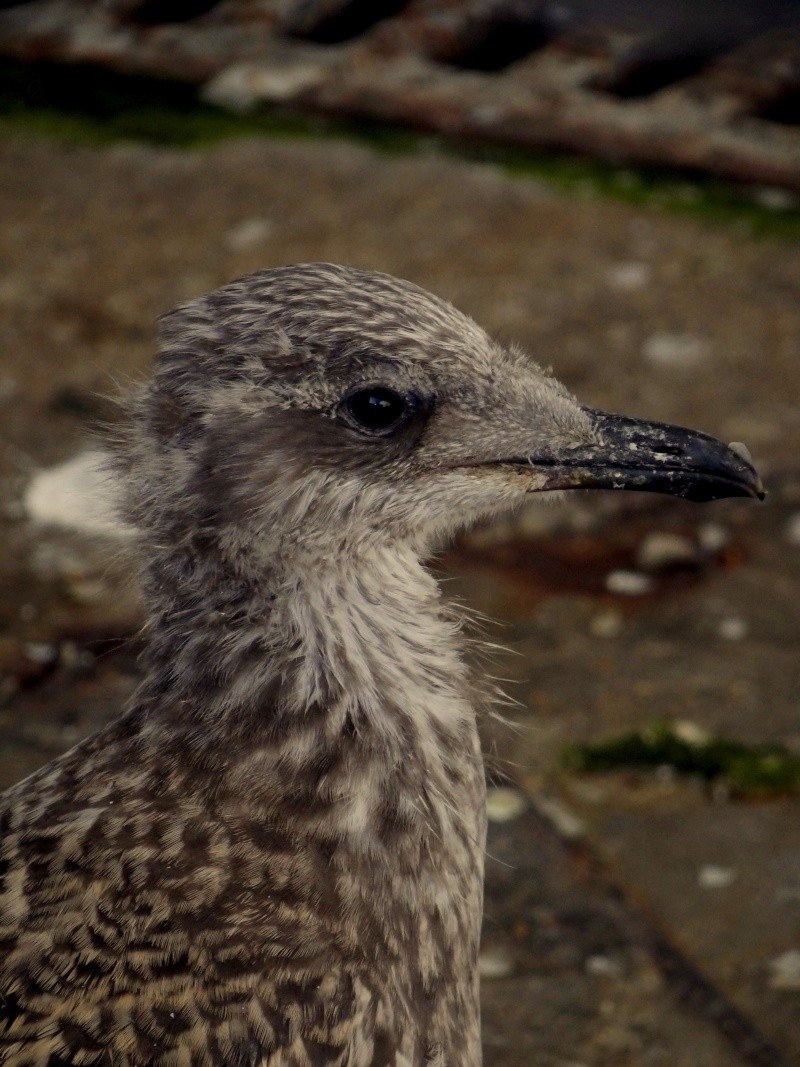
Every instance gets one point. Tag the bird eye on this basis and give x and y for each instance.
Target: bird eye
(377, 409)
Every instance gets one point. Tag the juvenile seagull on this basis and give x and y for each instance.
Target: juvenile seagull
(275, 857)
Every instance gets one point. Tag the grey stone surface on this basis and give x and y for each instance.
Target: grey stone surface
(97, 243)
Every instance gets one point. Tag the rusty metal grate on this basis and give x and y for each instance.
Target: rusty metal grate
(711, 86)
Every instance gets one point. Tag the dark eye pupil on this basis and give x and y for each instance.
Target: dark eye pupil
(376, 408)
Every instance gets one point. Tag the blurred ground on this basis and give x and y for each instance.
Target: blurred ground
(633, 918)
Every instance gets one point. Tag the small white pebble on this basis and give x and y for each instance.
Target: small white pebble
(629, 583)
(606, 624)
(74, 658)
(713, 537)
(248, 233)
(495, 964)
(41, 652)
(690, 732)
(538, 519)
(791, 531)
(488, 114)
(568, 824)
(660, 550)
(775, 199)
(88, 590)
(713, 877)
(675, 350)
(627, 277)
(504, 804)
(785, 970)
(732, 629)
(603, 967)
(242, 86)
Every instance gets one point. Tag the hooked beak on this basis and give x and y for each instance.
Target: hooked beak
(653, 457)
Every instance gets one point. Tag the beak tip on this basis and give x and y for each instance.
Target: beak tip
(660, 458)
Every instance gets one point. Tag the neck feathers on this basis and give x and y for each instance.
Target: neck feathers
(327, 708)
(366, 640)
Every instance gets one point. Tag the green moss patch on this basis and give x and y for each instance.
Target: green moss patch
(83, 104)
(747, 770)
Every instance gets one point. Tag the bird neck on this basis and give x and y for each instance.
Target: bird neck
(308, 652)
(326, 711)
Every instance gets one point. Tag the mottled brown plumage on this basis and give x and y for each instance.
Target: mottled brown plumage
(275, 856)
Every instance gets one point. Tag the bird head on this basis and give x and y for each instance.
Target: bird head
(316, 409)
